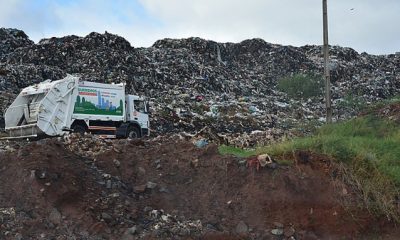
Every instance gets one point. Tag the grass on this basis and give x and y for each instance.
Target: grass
(369, 149)
(368, 138)
(238, 152)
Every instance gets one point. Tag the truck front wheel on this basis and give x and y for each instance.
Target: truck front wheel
(133, 132)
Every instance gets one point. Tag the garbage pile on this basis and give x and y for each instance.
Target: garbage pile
(88, 145)
(193, 83)
(370, 76)
(161, 225)
(11, 39)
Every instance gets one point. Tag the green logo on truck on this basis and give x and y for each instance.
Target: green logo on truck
(86, 104)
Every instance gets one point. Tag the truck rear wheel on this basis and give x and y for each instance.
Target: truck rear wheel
(79, 129)
(133, 132)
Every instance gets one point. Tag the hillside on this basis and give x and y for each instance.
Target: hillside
(339, 184)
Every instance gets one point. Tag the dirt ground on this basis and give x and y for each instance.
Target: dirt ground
(167, 188)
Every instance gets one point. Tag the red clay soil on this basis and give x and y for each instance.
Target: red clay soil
(58, 194)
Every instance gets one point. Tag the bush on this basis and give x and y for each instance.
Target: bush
(302, 85)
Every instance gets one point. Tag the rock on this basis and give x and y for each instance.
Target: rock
(142, 170)
(140, 188)
(147, 209)
(133, 230)
(165, 218)
(151, 185)
(307, 235)
(194, 163)
(241, 228)
(55, 216)
(41, 174)
(289, 231)
(163, 190)
(84, 234)
(129, 233)
(211, 227)
(106, 217)
(277, 231)
(109, 184)
(127, 236)
(278, 224)
(272, 165)
(117, 163)
(18, 236)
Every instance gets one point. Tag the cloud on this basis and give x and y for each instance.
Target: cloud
(122, 17)
(25, 15)
(369, 26)
(235, 20)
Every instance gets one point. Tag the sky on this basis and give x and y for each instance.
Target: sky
(365, 25)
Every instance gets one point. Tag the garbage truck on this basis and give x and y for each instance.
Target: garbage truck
(54, 108)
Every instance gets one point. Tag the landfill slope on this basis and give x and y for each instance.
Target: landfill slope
(194, 83)
(167, 188)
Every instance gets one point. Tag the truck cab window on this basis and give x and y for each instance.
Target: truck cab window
(139, 106)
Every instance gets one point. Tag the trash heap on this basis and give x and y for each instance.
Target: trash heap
(11, 39)
(195, 83)
(88, 145)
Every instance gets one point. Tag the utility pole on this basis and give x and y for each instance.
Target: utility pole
(326, 63)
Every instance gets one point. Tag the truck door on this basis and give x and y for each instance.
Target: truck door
(140, 113)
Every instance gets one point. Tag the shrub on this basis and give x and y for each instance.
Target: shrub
(302, 85)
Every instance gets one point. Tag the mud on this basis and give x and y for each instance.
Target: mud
(167, 188)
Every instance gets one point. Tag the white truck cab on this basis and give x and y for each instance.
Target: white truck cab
(137, 111)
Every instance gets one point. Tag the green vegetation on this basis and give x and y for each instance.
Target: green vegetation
(302, 85)
(368, 149)
(229, 150)
(357, 103)
(367, 138)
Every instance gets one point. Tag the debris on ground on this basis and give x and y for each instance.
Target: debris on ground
(167, 188)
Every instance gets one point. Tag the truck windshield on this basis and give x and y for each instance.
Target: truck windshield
(139, 106)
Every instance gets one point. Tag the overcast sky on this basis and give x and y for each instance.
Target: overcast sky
(365, 25)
